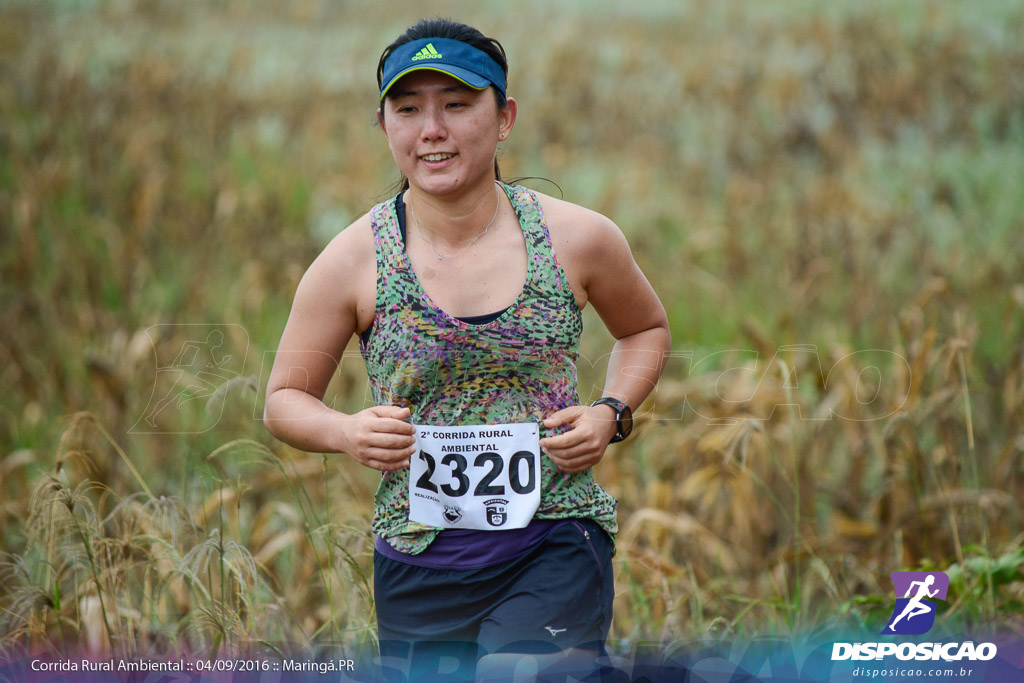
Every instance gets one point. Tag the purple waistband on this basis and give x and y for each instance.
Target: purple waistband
(472, 549)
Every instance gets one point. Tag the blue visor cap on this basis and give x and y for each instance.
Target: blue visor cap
(462, 62)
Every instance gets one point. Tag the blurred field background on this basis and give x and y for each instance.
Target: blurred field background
(829, 197)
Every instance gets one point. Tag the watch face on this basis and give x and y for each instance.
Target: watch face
(626, 422)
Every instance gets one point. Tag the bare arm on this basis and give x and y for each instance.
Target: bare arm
(334, 300)
(600, 265)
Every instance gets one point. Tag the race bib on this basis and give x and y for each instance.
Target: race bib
(479, 477)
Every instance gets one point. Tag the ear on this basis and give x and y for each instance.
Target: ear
(507, 118)
(380, 121)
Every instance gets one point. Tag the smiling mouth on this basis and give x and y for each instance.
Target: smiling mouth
(440, 156)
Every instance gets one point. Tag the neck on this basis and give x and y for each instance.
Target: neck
(455, 219)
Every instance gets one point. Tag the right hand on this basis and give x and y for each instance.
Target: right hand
(378, 438)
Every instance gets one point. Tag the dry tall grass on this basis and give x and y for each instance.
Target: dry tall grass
(828, 202)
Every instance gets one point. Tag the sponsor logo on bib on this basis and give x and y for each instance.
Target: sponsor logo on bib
(497, 514)
(452, 513)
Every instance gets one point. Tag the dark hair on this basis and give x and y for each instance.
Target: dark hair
(436, 27)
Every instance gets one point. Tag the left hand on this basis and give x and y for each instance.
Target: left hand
(580, 448)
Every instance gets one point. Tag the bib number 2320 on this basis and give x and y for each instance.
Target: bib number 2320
(477, 477)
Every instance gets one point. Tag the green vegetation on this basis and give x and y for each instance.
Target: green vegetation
(827, 196)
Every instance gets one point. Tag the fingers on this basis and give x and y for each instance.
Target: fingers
(568, 459)
(576, 461)
(389, 428)
(397, 412)
(384, 461)
(563, 417)
(390, 425)
(582, 446)
(387, 438)
(567, 451)
(381, 439)
(573, 451)
(391, 412)
(385, 432)
(385, 441)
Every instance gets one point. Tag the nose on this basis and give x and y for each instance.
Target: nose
(433, 127)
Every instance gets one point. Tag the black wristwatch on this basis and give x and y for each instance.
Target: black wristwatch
(623, 416)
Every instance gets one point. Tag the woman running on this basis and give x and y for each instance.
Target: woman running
(465, 294)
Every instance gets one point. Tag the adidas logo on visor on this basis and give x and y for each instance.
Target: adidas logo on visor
(427, 53)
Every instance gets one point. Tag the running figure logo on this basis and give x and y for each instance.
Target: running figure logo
(202, 363)
(914, 613)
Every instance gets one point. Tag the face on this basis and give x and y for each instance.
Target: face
(442, 133)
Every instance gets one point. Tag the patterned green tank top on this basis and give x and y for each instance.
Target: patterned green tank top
(520, 367)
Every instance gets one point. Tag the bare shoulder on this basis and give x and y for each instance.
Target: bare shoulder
(601, 269)
(577, 226)
(342, 279)
(586, 242)
(350, 248)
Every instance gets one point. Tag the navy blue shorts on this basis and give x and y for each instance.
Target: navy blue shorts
(556, 596)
